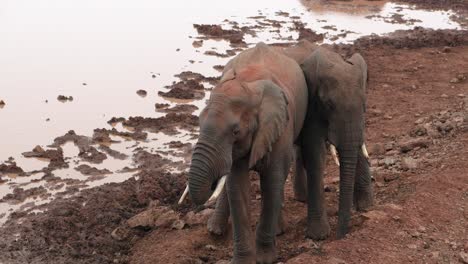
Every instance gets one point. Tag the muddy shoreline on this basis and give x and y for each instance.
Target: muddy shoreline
(92, 226)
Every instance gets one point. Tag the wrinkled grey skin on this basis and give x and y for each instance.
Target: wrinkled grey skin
(337, 98)
(251, 121)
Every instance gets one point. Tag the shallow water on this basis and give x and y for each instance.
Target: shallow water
(102, 52)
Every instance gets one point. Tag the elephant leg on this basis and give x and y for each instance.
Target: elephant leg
(280, 226)
(238, 192)
(218, 222)
(299, 176)
(363, 192)
(314, 154)
(272, 183)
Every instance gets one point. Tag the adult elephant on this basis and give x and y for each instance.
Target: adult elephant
(251, 121)
(337, 102)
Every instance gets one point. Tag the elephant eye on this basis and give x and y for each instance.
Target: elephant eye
(236, 130)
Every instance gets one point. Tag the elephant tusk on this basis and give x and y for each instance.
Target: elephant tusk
(184, 195)
(333, 153)
(364, 151)
(218, 189)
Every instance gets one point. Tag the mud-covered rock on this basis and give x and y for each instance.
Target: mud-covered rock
(200, 218)
(409, 163)
(410, 144)
(155, 216)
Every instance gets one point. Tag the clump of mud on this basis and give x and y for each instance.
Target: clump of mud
(198, 77)
(306, 33)
(166, 124)
(86, 151)
(189, 89)
(180, 108)
(63, 98)
(113, 153)
(20, 194)
(217, 32)
(218, 54)
(10, 166)
(142, 93)
(91, 171)
(55, 156)
(102, 135)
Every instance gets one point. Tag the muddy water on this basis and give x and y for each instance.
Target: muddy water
(102, 52)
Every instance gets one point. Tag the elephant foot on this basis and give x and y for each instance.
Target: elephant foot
(341, 232)
(300, 196)
(363, 200)
(318, 229)
(249, 259)
(280, 226)
(217, 225)
(266, 254)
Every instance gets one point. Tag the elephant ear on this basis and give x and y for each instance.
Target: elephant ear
(359, 61)
(272, 118)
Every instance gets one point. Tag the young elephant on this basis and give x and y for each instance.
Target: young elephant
(337, 98)
(251, 121)
(218, 222)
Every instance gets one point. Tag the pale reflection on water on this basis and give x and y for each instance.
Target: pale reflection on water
(102, 52)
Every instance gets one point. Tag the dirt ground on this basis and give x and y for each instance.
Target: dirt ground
(417, 136)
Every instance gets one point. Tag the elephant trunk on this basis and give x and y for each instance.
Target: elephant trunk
(348, 160)
(208, 165)
(349, 141)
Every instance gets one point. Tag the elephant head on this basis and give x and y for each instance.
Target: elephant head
(241, 121)
(338, 93)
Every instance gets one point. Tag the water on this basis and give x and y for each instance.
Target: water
(102, 51)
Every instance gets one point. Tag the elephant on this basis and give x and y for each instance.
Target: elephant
(251, 122)
(218, 222)
(336, 113)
